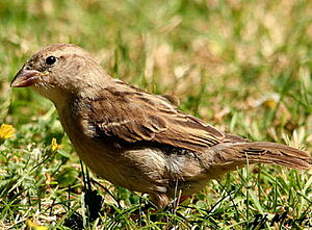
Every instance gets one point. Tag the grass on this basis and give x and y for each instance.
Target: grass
(243, 66)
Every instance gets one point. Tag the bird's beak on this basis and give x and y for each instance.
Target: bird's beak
(25, 78)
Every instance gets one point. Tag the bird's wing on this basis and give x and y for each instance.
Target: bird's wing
(135, 116)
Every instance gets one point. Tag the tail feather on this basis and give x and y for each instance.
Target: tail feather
(233, 155)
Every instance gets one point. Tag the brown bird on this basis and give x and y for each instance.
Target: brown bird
(135, 139)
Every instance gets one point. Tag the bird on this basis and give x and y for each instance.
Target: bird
(135, 139)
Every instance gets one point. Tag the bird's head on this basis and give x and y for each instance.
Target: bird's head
(60, 70)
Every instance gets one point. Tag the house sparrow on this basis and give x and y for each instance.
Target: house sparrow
(136, 139)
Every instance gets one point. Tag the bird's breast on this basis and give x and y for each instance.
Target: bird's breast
(134, 169)
(143, 169)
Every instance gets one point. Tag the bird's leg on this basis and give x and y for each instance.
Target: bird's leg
(161, 200)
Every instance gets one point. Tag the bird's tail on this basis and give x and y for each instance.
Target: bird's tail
(229, 156)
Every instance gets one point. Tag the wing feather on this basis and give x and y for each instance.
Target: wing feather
(135, 116)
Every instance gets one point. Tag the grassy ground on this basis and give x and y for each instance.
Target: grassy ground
(243, 66)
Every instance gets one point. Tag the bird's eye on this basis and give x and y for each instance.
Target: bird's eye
(50, 60)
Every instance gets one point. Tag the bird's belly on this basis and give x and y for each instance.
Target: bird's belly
(138, 170)
(147, 170)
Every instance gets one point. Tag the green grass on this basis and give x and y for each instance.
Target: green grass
(243, 66)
